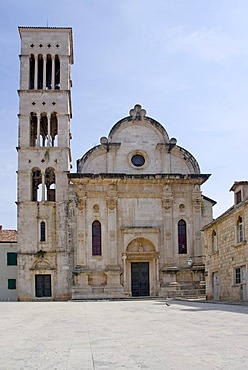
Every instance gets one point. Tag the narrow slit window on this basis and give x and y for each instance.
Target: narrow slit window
(31, 72)
(42, 231)
(40, 72)
(214, 241)
(57, 73)
(49, 72)
(96, 239)
(33, 129)
(182, 237)
(240, 230)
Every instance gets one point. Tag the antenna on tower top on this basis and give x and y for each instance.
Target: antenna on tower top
(47, 22)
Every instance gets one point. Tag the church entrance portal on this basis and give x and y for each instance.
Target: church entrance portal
(43, 286)
(140, 279)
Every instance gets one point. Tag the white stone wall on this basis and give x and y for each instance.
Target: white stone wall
(38, 36)
(138, 210)
(52, 256)
(137, 137)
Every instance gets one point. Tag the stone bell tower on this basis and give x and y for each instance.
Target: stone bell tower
(44, 159)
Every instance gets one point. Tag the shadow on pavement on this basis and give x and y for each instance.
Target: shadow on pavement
(203, 305)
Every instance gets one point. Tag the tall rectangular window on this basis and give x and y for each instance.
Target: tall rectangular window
(31, 72)
(96, 239)
(240, 230)
(214, 241)
(182, 237)
(11, 259)
(42, 231)
(237, 275)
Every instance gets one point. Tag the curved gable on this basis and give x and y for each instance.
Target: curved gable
(128, 122)
(138, 145)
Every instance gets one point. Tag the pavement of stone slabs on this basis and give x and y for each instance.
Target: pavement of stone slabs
(128, 334)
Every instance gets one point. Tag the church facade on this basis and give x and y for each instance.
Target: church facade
(128, 222)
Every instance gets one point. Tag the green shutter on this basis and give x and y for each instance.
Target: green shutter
(11, 283)
(11, 258)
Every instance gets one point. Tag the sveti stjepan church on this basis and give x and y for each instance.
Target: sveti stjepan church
(128, 222)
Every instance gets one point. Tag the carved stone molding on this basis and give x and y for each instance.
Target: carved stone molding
(80, 235)
(137, 113)
(197, 203)
(198, 234)
(167, 203)
(111, 203)
(112, 235)
(81, 203)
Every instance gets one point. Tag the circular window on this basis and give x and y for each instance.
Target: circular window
(138, 160)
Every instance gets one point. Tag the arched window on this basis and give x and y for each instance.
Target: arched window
(239, 230)
(36, 185)
(42, 231)
(50, 185)
(57, 73)
(33, 129)
(43, 130)
(48, 72)
(31, 72)
(96, 239)
(214, 242)
(182, 237)
(40, 72)
(53, 130)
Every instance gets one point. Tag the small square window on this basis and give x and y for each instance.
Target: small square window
(11, 283)
(11, 259)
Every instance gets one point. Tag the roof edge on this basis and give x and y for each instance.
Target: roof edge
(50, 28)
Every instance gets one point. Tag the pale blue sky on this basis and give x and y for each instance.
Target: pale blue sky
(184, 61)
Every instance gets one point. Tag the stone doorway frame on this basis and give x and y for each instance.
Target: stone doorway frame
(141, 244)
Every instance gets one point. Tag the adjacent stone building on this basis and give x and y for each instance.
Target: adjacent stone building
(227, 250)
(8, 265)
(127, 222)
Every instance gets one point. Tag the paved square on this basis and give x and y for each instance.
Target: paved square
(138, 334)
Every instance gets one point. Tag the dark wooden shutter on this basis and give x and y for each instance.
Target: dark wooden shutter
(11, 258)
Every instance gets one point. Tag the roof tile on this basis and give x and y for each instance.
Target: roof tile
(8, 236)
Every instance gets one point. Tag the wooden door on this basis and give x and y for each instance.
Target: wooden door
(43, 285)
(140, 279)
(216, 285)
